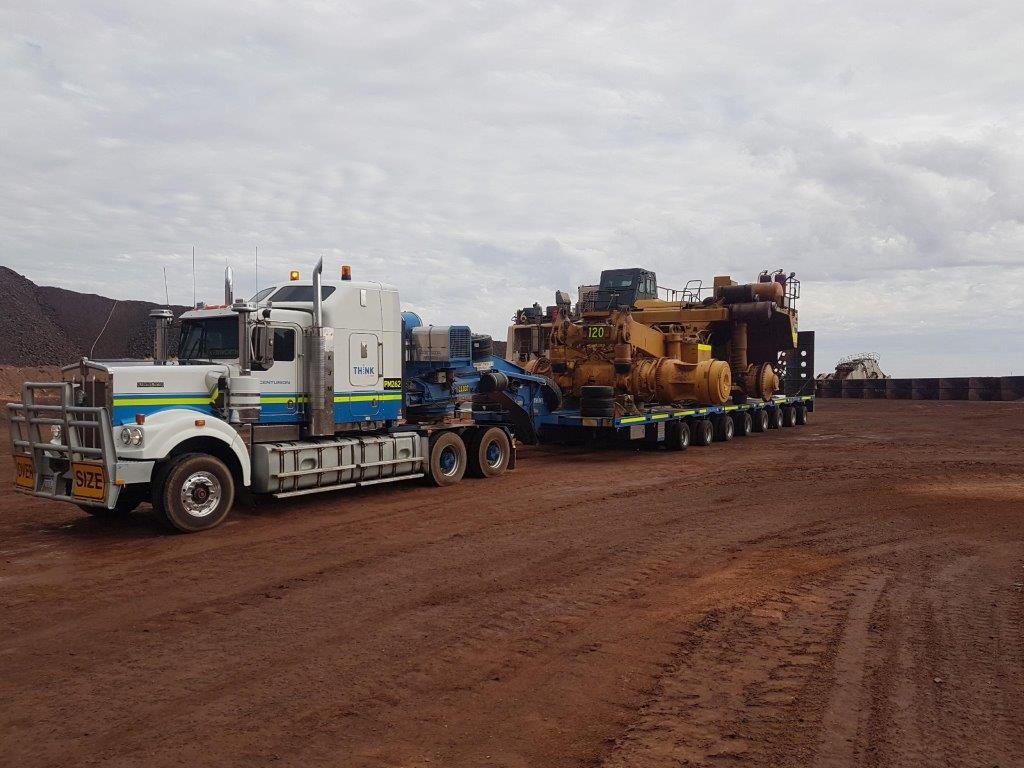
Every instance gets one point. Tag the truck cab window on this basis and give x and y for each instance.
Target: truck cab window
(284, 345)
(215, 338)
(300, 293)
(263, 294)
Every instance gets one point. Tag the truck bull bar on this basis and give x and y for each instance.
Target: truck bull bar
(65, 467)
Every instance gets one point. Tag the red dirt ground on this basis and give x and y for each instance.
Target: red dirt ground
(849, 593)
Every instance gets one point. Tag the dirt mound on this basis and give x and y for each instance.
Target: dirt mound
(53, 326)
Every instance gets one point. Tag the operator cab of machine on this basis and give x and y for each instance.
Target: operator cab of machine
(623, 288)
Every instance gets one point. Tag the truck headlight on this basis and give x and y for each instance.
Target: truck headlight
(131, 436)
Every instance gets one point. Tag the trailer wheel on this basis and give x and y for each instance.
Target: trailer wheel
(789, 417)
(447, 459)
(596, 392)
(775, 418)
(801, 415)
(725, 429)
(194, 492)
(489, 452)
(703, 432)
(744, 424)
(677, 435)
(759, 420)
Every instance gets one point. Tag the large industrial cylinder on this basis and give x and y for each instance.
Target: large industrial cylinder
(668, 381)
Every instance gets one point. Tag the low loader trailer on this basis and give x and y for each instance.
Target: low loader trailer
(677, 428)
(313, 386)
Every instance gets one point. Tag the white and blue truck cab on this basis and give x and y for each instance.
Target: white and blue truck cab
(309, 386)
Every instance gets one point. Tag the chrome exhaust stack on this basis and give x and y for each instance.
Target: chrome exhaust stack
(162, 322)
(321, 366)
(229, 287)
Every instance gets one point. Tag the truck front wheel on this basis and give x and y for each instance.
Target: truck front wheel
(194, 492)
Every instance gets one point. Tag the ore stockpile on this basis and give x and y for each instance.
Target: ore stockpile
(54, 326)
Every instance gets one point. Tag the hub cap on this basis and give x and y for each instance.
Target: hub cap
(494, 454)
(200, 494)
(449, 461)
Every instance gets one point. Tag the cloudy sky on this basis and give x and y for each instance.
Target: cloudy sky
(480, 155)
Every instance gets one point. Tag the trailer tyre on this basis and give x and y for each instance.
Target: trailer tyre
(775, 418)
(801, 415)
(760, 419)
(677, 436)
(194, 492)
(744, 424)
(725, 429)
(789, 417)
(448, 459)
(596, 392)
(489, 452)
(703, 432)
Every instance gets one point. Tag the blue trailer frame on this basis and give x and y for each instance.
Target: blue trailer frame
(567, 423)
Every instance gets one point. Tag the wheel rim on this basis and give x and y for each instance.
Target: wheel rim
(494, 454)
(449, 461)
(200, 494)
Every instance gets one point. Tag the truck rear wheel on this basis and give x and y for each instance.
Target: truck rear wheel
(703, 432)
(489, 452)
(194, 492)
(677, 435)
(447, 459)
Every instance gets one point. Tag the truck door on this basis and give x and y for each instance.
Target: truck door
(365, 374)
(282, 387)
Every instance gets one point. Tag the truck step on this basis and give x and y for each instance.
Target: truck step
(321, 489)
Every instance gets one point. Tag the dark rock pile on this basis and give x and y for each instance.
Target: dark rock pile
(54, 326)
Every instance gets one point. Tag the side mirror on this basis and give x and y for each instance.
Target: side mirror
(262, 347)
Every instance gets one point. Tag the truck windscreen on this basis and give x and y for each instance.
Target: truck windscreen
(213, 339)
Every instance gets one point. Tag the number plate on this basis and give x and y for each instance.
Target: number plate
(24, 473)
(596, 333)
(50, 484)
(88, 481)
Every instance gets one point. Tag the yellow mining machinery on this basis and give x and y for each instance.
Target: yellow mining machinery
(654, 345)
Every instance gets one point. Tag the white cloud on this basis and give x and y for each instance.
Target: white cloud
(481, 155)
